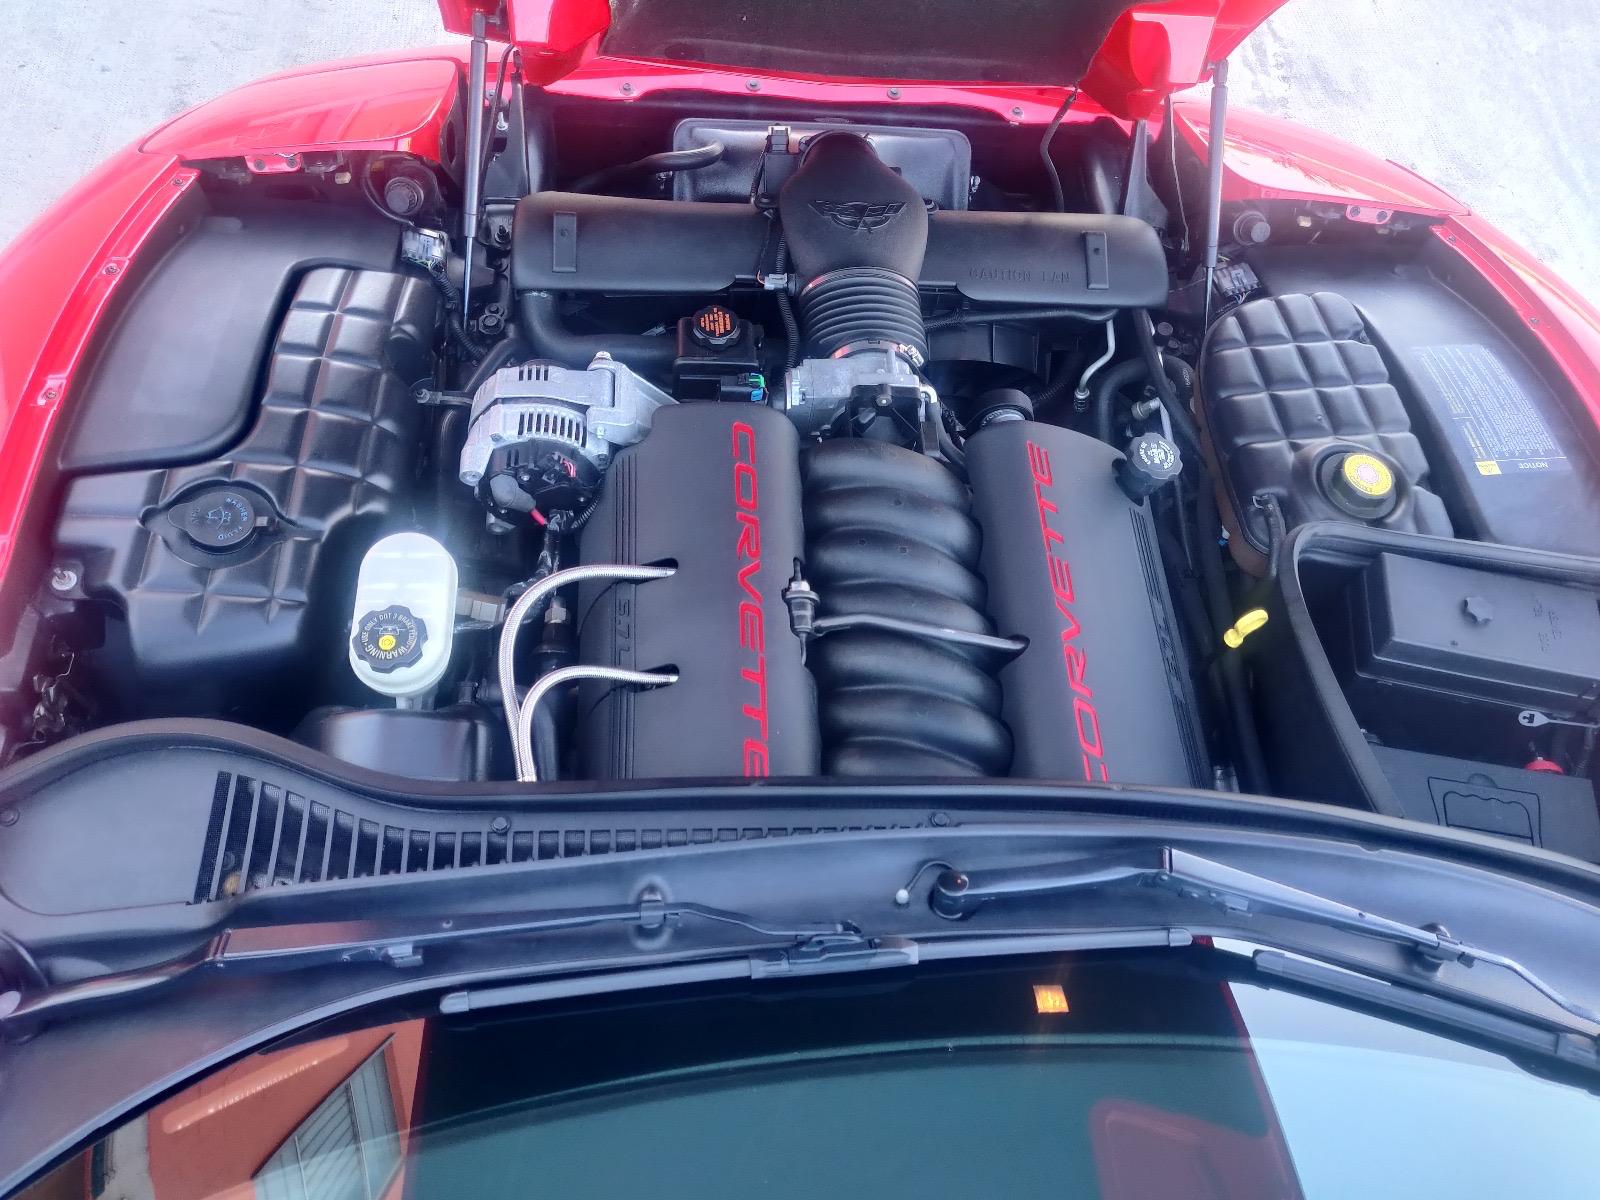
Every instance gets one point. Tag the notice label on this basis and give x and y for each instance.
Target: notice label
(1503, 431)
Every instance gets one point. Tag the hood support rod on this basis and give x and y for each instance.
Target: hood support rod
(477, 75)
(1219, 122)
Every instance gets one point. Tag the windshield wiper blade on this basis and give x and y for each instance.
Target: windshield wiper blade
(829, 954)
(956, 895)
(397, 942)
(1511, 1033)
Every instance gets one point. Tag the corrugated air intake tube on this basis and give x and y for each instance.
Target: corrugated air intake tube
(856, 233)
(889, 534)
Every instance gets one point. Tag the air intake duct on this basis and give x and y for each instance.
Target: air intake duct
(856, 234)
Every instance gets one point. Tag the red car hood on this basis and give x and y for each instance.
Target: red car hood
(1127, 54)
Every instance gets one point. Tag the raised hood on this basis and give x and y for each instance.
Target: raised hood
(1126, 54)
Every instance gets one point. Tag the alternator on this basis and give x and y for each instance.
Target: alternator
(583, 417)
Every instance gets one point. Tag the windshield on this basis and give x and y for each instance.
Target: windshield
(1119, 1076)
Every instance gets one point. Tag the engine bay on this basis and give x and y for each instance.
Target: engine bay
(736, 441)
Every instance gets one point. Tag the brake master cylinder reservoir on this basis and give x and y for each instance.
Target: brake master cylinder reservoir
(404, 617)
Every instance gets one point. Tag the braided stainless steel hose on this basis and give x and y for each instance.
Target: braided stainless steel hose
(534, 598)
(527, 768)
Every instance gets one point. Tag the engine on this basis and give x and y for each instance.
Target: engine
(808, 524)
(841, 599)
(901, 446)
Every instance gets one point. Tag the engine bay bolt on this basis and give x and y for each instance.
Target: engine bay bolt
(499, 825)
(1017, 111)
(753, 85)
(626, 89)
(111, 269)
(894, 93)
(63, 579)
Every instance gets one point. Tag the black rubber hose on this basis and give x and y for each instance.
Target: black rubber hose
(1106, 390)
(1277, 530)
(1182, 376)
(1056, 193)
(1066, 379)
(503, 352)
(668, 162)
(1248, 759)
(549, 338)
(1177, 411)
(791, 327)
(546, 742)
(972, 316)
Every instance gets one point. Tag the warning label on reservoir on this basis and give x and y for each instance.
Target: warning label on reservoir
(1496, 418)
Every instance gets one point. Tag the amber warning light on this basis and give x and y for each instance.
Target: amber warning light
(1049, 998)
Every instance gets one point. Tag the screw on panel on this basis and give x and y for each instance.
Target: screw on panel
(63, 579)
(1017, 111)
(753, 85)
(894, 93)
(627, 89)
(9, 817)
(110, 269)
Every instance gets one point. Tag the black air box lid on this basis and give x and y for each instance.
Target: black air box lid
(1449, 628)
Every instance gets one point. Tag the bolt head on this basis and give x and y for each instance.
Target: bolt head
(63, 579)
(9, 816)
(752, 85)
(110, 269)
(1017, 111)
(627, 89)
(894, 93)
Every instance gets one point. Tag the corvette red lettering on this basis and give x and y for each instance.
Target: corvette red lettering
(752, 621)
(1074, 660)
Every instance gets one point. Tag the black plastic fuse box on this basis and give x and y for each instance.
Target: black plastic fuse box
(1538, 808)
(1441, 627)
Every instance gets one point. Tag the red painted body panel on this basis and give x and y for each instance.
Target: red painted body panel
(622, 79)
(1272, 159)
(1154, 49)
(398, 105)
(55, 281)
(1565, 323)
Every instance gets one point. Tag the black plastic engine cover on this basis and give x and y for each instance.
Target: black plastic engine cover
(1101, 692)
(716, 489)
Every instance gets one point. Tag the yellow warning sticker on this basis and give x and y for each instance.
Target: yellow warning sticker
(1488, 467)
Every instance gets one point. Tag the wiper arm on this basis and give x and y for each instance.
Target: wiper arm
(396, 942)
(956, 895)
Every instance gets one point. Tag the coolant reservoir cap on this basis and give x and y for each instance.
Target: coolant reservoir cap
(387, 639)
(216, 519)
(715, 325)
(1361, 484)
